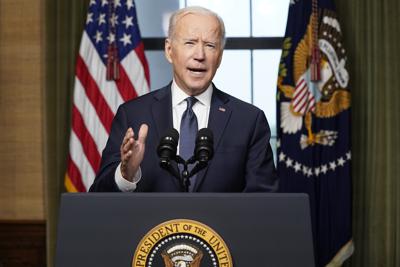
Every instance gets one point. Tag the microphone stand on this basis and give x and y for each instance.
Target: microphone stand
(166, 165)
(184, 176)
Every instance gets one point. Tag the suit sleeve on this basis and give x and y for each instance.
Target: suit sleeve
(260, 169)
(105, 178)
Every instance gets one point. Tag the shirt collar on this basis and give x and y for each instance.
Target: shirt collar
(178, 95)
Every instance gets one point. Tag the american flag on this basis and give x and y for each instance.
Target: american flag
(111, 68)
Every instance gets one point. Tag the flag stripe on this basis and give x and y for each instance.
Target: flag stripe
(93, 93)
(89, 146)
(300, 96)
(124, 85)
(300, 84)
(135, 73)
(301, 101)
(302, 108)
(80, 160)
(90, 118)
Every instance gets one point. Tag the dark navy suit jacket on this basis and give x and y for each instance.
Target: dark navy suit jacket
(242, 161)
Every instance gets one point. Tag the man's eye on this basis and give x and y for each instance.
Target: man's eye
(211, 45)
(189, 43)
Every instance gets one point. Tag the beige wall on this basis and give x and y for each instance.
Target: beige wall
(21, 85)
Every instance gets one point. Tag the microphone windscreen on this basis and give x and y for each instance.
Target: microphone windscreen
(172, 133)
(168, 144)
(204, 148)
(205, 133)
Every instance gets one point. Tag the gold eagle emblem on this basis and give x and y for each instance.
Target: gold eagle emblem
(324, 98)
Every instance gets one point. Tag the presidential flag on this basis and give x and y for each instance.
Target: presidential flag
(111, 68)
(313, 109)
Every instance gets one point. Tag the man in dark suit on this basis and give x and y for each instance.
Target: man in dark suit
(242, 161)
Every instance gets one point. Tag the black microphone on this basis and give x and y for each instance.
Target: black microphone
(204, 147)
(203, 150)
(167, 148)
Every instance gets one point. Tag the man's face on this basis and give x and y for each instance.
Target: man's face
(195, 52)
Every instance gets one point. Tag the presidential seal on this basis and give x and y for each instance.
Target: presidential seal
(182, 243)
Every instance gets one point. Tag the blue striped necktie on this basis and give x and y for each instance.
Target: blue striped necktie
(188, 134)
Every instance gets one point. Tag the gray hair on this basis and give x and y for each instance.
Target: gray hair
(195, 10)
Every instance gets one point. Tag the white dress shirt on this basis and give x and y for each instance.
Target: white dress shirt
(202, 110)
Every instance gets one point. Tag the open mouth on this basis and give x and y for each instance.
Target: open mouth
(197, 70)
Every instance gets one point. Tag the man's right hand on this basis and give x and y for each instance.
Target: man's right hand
(132, 152)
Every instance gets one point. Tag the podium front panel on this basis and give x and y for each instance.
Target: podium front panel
(260, 229)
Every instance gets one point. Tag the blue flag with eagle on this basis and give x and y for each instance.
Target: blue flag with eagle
(313, 109)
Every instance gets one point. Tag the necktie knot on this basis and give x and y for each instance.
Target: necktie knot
(190, 102)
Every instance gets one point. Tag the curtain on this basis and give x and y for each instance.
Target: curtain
(371, 30)
(64, 22)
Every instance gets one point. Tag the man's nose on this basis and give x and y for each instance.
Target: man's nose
(199, 52)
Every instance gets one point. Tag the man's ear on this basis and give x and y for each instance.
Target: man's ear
(168, 50)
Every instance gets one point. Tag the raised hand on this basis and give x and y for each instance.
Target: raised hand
(132, 152)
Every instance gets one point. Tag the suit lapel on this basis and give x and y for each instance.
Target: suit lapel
(220, 112)
(162, 111)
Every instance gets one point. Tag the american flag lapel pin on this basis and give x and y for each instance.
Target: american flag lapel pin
(222, 109)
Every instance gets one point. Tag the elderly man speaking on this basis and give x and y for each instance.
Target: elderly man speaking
(242, 157)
